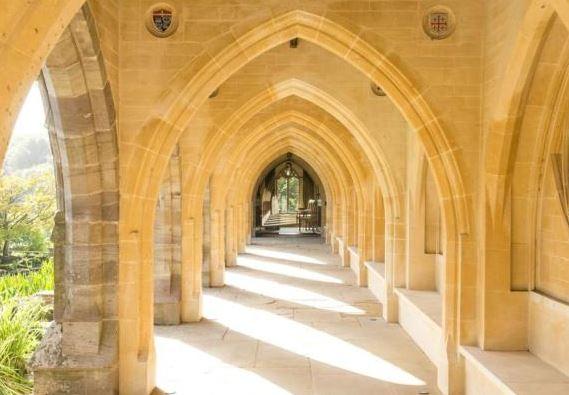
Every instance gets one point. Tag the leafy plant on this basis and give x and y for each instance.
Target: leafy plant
(27, 207)
(20, 332)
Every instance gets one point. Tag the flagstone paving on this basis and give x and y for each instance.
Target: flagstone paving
(290, 321)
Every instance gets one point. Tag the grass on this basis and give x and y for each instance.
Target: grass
(21, 326)
(20, 332)
(28, 284)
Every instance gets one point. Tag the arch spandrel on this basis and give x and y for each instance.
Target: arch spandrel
(311, 27)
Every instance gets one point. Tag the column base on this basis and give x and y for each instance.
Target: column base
(192, 309)
(56, 373)
(167, 313)
(391, 308)
(230, 259)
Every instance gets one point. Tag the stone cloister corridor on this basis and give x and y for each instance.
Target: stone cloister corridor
(290, 320)
(412, 156)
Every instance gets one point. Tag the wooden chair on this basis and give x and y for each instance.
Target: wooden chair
(308, 218)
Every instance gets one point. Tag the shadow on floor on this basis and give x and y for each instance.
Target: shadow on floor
(273, 333)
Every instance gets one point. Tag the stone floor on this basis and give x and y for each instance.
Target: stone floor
(290, 321)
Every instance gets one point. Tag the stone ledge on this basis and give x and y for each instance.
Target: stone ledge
(548, 319)
(377, 268)
(343, 251)
(354, 261)
(510, 372)
(376, 280)
(429, 303)
(420, 314)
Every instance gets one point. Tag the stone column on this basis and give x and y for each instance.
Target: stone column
(206, 237)
(79, 352)
(191, 290)
(378, 254)
(230, 252)
(217, 261)
(365, 237)
(167, 247)
(241, 228)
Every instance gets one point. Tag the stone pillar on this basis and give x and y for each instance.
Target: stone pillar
(338, 225)
(241, 228)
(230, 256)
(365, 238)
(378, 253)
(217, 262)
(390, 309)
(79, 352)
(206, 238)
(235, 231)
(167, 247)
(422, 206)
(191, 290)
(249, 210)
(301, 204)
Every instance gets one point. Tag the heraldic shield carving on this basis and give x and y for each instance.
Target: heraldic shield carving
(439, 22)
(161, 20)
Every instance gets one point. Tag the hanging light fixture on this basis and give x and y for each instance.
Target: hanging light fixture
(288, 165)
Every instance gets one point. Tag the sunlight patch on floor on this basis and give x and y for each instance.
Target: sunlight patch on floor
(203, 373)
(287, 256)
(304, 340)
(289, 293)
(285, 270)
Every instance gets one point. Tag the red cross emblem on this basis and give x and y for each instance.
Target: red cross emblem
(439, 22)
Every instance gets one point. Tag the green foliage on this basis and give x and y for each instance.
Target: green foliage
(293, 189)
(21, 325)
(27, 207)
(24, 262)
(23, 285)
(20, 332)
(288, 190)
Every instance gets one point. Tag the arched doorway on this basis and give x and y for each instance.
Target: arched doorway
(288, 189)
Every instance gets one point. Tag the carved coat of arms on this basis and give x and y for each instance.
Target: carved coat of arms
(162, 20)
(439, 22)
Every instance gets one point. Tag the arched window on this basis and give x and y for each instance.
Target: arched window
(288, 188)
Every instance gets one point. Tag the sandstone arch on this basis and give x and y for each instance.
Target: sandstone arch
(153, 147)
(500, 206)
(32, 29)
(512, 93)
(299, 88)
(84, 142)
(243, 151)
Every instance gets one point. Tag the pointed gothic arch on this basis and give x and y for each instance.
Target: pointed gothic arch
(150, 151)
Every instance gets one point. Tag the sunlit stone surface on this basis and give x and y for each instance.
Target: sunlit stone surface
(290, 321)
